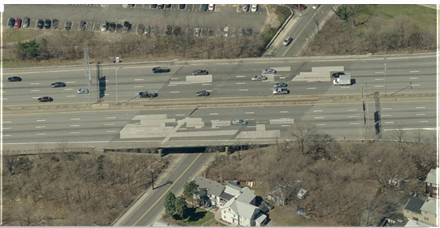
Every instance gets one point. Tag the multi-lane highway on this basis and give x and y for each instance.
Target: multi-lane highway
(409, 83)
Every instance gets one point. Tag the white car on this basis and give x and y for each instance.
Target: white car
(254, 8)
(211, 7)
(82, 91)
(259, 78)
(287, 41)
(197, 32)
(226, 31)
(239, 122)
(315, 6)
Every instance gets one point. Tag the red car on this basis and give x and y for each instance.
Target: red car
(303, 7)
(17, 23)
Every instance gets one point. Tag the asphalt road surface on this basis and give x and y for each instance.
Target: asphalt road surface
(269, 116)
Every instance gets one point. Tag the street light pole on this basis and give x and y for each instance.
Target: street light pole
(152, 179)
(116, 74)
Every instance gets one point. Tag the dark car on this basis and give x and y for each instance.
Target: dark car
(176, 30)
(40, 23)
(26, 21)
(153, 6)
(147, 94)
(168, 5)
(168, 30)
(82, 25)
(300, 6)
(337, 74)
(279, 85)
(11, 22)
(127, 26)
(140, 29)
(14, 79)
(157, 70)
(58, 84)
(47, 23)
(182, 6)
(147, 30)
(118, 27)
(200, 72)
(111, 27)
(17, 23)
(268, 205)
(68, 25)
(204, 7)
(55, 23)
(160, 6)
(247, 32)
(45, 99)
(202, 93)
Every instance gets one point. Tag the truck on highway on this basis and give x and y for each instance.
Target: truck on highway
(344, 79)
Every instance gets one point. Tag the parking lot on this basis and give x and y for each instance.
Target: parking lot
(224, 20)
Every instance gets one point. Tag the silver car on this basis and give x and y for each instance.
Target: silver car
(279, 85)
(82, 91)
(245, 7)
(287, 41)
(239, 122)
(104, 26)
(259, 78)
(268, 71)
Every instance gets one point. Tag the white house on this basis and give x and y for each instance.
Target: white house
(213, 189)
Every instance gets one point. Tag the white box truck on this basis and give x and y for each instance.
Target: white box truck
(344, 79)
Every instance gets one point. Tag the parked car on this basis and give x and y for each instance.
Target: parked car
(239, 122)
(127, 26)
(316, 6)
(147, 30)
(182, 6)
(176, 30)
(268, 205)
(247, 32)
(82, 91)
(300, 6)
(82, 25)
(58, 84)
(259, 78)
(11, 22)
(168, 5)
(160, 6)
(140, 29)
(14, 79)
(118, 27)
(245, 7)
(281, 91)
(279, 84)
(268, 71)
(47, 23)
(211, 7)
(202, 93)
(337, 74)
(147, 94)
(200, 72)
(45, 99)
(111, 27)
(153, 6)
(254, 8)
(226, 31)
(26, 21)
(197, 31)
(287, 41)
(204, 7)
(40, 23)
(68, 25)
(157, 70)
(104, 26)
(55, 23)
(17, 23)
(168, 30)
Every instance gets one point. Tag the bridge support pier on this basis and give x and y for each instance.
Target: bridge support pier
(227, 150)
(160, 152)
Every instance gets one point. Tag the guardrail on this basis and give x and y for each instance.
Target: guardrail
(281, 28)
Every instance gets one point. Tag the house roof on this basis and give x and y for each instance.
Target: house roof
(226, 196)
(246, 196)
(430, 206)
(212, 187)
(245, 210)
(414, 205)
(432, 176)
(414, 223)
(232, 190)
(260, 218)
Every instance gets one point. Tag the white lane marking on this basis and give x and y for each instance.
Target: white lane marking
(413, 78)
(379, 86)
(379, 72)
(285, 125)
(107, 94)
(282, 77)
(138, 130)
(311, 88)
(138, 86)
(174, 78)
(111, 131)
(75, 119)
(40, 120)
(35, 97)
(4, 98)
(320, 124)
(213, 114)
(139, 79)
(35, 83)
(420, 114)
(74, 132)
(35, 90)
(317, 110)
(240, 83)
(240, 76)
(7, 121)
(70, 82)
(345, 87)
(110, 117)
(180, 114)
(423, 121)
(71, 96)
(6, 128)
(354, 123)
(74, 125)
(284, 111)
(40, 126)
(420, 107)
(415, 84)
(40, 134)
(353, 109)
(389, 122)
(386, 108)
(379, 79)
(351, 116)
(319, 117)
(208, 84)
(243, 90)
(109, 124)
(249, 113)
(385, 115)
(6, 135)
(172, 85)
(68, 89)
(414, 71)
(175, 92)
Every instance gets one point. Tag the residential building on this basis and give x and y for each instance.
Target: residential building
(421, 211)
(213, 190)
(432, 183)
